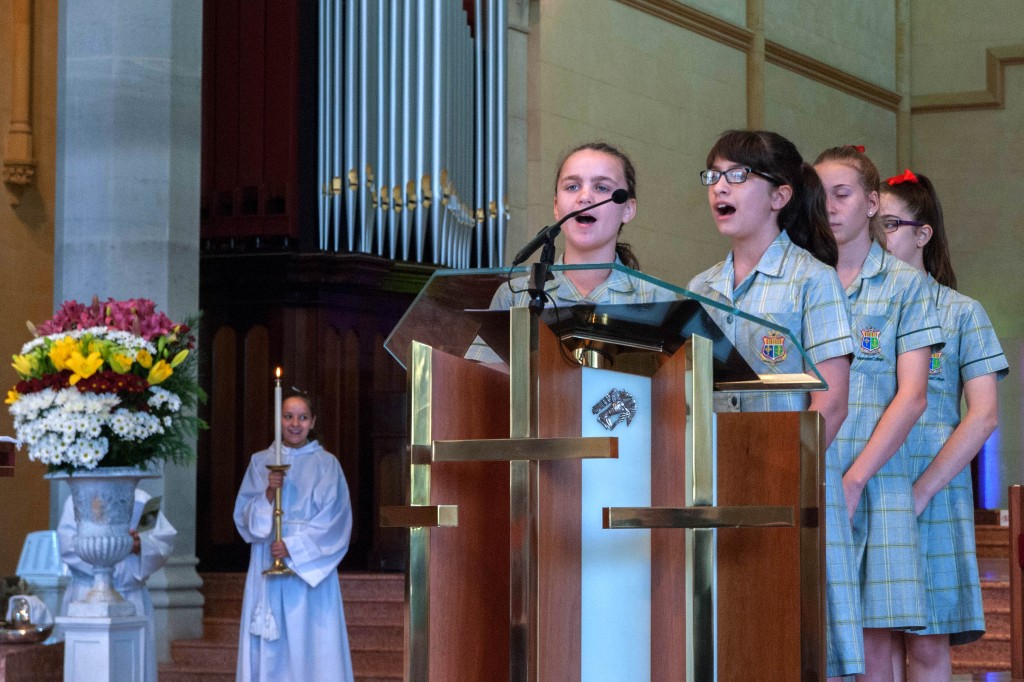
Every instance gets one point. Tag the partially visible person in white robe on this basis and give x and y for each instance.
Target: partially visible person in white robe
(293, 626)
(150, 552)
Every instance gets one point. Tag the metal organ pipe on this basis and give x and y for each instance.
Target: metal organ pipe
(412, 130)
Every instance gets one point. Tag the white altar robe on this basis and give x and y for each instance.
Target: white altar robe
(130, 574)
(293, 627)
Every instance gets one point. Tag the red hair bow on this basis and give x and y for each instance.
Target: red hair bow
(908, 176)
(858, 147)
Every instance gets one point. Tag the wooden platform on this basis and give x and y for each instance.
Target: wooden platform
(374, 612)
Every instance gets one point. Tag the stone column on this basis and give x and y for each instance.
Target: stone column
(127, 207)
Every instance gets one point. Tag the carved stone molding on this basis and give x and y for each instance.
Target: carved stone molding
(19, 164)
(17, 176)
(723, 32)
(992, 97)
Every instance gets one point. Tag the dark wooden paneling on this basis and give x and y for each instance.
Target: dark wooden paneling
(668, 545)
(224, 475)
(759, 597)
(251, 95)
(1016, 503)
(469, 565)
(559, 509)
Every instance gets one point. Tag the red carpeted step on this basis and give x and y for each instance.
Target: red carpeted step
(991, 653)
(374, 613)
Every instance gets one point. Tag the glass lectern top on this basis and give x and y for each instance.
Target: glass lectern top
(452, 314)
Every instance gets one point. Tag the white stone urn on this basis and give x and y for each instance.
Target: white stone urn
(103, 500)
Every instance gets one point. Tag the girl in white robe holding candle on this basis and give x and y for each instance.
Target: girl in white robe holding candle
(293, 626)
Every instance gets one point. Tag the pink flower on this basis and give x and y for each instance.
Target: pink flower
(136, 315)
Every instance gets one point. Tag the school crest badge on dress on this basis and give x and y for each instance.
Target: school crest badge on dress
(869, 341)
(773, 348)
(935, 364)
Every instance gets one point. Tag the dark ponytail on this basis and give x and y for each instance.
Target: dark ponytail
(808, 226)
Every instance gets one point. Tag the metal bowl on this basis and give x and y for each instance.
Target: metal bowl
(23, 635)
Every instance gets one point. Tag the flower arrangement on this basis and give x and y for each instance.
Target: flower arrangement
(108, 384)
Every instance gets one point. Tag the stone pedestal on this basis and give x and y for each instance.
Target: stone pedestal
(110, 649)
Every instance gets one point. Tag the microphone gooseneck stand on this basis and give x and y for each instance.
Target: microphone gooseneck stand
(540, 274)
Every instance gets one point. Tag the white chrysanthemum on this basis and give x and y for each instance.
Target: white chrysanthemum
(126, 340)
(161, 397)
(31, 404)
(134, 426)
(87, 452)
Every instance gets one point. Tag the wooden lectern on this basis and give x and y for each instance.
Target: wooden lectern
(585, 516)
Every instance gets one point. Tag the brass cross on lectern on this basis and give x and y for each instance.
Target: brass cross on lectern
(529, 627)
(523, 451)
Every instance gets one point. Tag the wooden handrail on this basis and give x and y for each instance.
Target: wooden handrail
(1016, 499)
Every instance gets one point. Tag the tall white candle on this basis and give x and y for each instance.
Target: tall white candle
(277, 417)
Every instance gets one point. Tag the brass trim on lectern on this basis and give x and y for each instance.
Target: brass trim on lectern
(522, 511)
(417, 585)
(525, 449)
(812, 569)
(697, 517)
(420, 516)
(702, 604)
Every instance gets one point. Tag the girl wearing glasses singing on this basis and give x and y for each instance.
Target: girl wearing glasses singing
(895, 330)
(770, 205)
(941, 445)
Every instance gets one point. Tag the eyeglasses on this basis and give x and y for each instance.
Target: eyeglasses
(892, 223)
(734, 176)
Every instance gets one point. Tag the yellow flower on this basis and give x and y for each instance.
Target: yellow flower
(24, 365)
(120, 362)
(144, 358)
(160, 371)
(179, 358)
(61, 351)
(12, 397)
(83, 367)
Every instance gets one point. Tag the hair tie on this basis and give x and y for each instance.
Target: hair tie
(908, 176)
(858, 147)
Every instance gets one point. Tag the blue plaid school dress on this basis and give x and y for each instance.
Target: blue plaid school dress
(946, 526)
(891, 313)
(794, 290)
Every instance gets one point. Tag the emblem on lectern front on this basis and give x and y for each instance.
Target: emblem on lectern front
(615, 407)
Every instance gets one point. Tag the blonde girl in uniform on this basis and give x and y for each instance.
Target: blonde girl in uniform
(894, 330)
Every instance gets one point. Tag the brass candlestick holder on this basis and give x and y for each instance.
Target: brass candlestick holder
(278, 567)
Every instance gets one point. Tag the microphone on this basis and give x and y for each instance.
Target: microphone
(619, 196)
